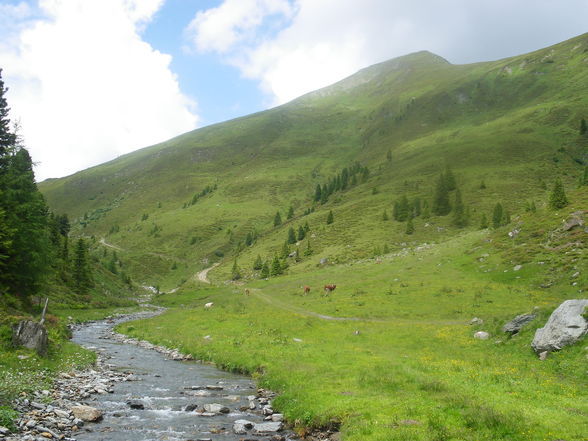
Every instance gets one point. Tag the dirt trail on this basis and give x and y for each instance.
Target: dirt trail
(202, 276)
(109, 245)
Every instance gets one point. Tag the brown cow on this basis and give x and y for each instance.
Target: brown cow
(306, 289)
(329, 288)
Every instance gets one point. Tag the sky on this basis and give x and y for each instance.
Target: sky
(90, 80)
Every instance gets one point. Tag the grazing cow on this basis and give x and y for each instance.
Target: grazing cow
(208, 305)
(306, 289)
(329, 288)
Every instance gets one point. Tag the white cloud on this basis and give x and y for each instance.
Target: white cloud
(86, 88)
(325, 40)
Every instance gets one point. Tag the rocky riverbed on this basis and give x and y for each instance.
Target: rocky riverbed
(140, 391)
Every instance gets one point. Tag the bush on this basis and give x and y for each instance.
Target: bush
(8, 417)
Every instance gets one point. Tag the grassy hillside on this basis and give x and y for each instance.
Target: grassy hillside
(390, 354)
(512, 123)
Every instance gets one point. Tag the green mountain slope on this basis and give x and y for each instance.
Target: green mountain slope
(511, 122)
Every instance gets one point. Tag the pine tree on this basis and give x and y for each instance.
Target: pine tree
(306, 227)
(385, 216)
(426, 211)
(482, 185)
(290, 212)
(483, 222)
(459, 215)
(583, 127)
(416, 207)
(291, 236)
(389, 156)
(301, 233)
(258, 264)
(235, 272)
(558, 198)
(276, 268)
(277, 219)
(7, 137)
(82, 273)
(584, 177)
(330, 217)
(285, 250)
(318, 193)
(441, 205)
(249, 239)
(497, 214)
(308, 250)
(409, 226)
(265, 271)
(449, 178)
(533, 207)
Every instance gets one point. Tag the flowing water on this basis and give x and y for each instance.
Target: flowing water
(165, 388)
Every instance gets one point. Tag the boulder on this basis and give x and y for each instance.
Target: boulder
(268, 427)
(87, 413)
(240, 427)
(216, 408)
(482, 335)
(517, 323)
(565, 326)
(136, 404)
(31, 335)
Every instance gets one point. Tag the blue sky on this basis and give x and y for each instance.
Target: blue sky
(93, 79)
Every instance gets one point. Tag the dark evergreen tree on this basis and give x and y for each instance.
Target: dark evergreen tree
(583, 127)
(483, 222)
(258, 264)
(265, 271)
(291, 236)
(416, 207)
(385, 216)
(409, 226)
(285, 250)
(7, 137)
(290, 212)
(276, 268)
(426, 211)
(441, 205)
(277, 219)
(450, 182)
(301, 233)
(557, 198)
(389, 156)
(235, 271)
(330, 217)
(82, 272)
(497, 215)
(249, 239)
(308, 250)
(482, 185)
(318, 193)
(459, 214)
(584, 177)
(306, 227)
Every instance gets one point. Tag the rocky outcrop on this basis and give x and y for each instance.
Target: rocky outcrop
(31, 335)
(565, 326)
(516, 324)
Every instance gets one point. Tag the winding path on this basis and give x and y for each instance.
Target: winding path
(109, 245)
(202, 276)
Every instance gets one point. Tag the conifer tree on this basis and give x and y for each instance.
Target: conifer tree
(409, 226)
(301, 233)
(497, 214)
(285, 250)
(426, 211)
(308, 250)
(290, 212)
(258, 264)
(482, 185)
(483, 222)
(416, 207)
(558, 198)
(265, 271)
(584, 177)
(533, 207)
(583, 127)
(235, 272)
(330, 217)
(277, 219)
(450, 182)
(306, 227)
(318, 193)
(441, 205)
(249, 239)
(276, 268)
(459, 215)
(385, 216)
(82, 273)
(291, 236)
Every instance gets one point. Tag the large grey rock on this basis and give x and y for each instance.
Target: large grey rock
(216, 408)
(268, 427)
(240, 427)
(87, 413)
(517, 323)
(31, 335)
(565, 326)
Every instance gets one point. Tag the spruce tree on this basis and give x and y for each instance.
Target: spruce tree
(584, 177)
(258, 264)
(82, 273)
(483, 222)
(416, 207)
(285, 250)
(277, 219)
(385, 216)
(497, 214)
(249, 239)
(265, 271)
(306, 227)
(449, 178)
(441, 205)
(301, 233)
(235, 272)
(583, 127)
(558, 198)
(291, 236)
(409, 226)
(482, 185)
(318, 193)
(276, 268)
(7, 137)
(290, 212)
(426, 211)
(308, 250)
(330, 217)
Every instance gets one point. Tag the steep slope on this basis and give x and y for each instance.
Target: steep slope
(512, 123)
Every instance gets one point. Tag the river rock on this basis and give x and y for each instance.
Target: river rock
(216, 408)
(517, 323)
(482, 335)
(565, 326)
(136, 404)
(240, 427)
(277, 417)
(31, 335)
(87, 413)
(191, 407)
(268, 427)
